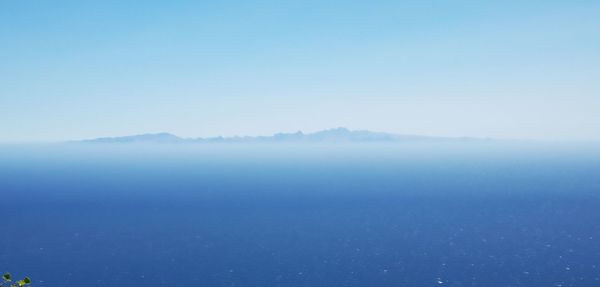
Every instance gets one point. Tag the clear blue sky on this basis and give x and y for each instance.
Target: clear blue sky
(506, 69)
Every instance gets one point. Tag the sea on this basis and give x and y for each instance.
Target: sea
(472, 213)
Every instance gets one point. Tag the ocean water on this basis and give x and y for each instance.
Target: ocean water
(447, 214)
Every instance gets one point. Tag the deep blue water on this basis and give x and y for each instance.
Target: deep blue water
(376, 215)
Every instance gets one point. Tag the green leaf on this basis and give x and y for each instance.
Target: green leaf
(27, 280)
(6, 276)
(21, 283)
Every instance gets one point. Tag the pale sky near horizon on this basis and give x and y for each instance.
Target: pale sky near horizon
(503, 69)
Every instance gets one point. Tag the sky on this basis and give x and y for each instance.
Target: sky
(502, 69)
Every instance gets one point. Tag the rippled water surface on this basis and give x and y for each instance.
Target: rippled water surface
(469, 214)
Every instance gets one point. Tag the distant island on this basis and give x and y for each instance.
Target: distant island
(326, 136)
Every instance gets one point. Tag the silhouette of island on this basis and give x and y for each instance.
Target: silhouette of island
(330, 135)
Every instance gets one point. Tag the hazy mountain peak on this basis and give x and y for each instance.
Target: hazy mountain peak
(339, 134)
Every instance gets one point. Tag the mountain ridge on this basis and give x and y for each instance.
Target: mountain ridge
(339, 134)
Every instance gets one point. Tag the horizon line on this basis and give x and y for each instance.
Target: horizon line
(297, 132)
